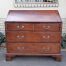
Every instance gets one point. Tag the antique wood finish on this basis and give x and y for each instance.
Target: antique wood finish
(19, 26)
(33, 33)
(31, 48)
(35, 27)
(20, 36)
(47, 27)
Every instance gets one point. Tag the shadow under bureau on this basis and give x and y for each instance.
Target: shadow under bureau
(33, 33)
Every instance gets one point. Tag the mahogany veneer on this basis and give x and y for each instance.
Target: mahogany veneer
(34, 33)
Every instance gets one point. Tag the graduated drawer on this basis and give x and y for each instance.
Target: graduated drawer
(33, 48)
(20, 36)
(19, 26)
(47, 27)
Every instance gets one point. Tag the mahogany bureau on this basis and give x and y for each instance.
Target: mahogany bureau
(33, 33)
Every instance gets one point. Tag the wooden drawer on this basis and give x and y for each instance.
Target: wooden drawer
(19, 26)
(47, 27)
(16, 36)
(33, 48)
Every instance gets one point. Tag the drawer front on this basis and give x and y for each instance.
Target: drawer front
(16, 36)
(47, 27)
(19, 26)
(33, 48)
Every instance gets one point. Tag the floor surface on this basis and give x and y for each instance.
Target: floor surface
(32, 61)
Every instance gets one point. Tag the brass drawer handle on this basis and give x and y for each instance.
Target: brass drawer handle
(46, 37)
(19, 37)
(20, 48)
(17, 26)
(46, 27)
(46, 48)
(23, 48)
(23, 26)
(22, 36)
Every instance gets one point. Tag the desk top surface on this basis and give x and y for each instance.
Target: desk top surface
(33, 16)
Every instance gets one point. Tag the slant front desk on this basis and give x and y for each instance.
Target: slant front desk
(33, 33)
